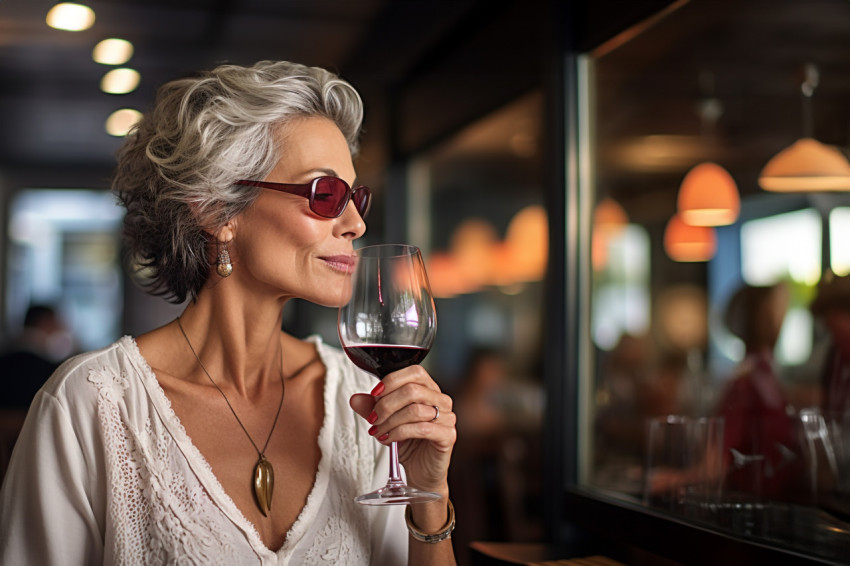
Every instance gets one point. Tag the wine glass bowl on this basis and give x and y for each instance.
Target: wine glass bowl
(388, 322)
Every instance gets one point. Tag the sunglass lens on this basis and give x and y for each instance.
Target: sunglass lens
(362, 198)
(329, 198)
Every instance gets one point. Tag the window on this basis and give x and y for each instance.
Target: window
(64, 252)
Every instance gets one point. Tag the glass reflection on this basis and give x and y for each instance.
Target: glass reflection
(721, 389)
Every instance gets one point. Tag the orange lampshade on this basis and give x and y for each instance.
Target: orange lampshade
(684, 242)
(446, 277)
(709, 196)
(807, 165)
(527, 240)
(609, 215)
(471, 247)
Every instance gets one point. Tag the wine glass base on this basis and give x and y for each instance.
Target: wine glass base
(396, 495)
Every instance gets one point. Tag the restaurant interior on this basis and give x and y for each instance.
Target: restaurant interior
(599, 189)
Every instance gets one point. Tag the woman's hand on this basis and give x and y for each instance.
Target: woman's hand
(401, 409)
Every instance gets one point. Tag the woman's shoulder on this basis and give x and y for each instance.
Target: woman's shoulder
(85, 374)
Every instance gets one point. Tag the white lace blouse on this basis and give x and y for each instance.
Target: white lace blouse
(104, 473)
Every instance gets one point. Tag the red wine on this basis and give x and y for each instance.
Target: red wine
(381, 359)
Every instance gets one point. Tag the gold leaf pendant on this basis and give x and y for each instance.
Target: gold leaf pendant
(264, 485)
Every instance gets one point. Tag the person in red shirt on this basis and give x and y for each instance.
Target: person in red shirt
(761, 448)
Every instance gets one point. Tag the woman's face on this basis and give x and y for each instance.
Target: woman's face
(284, 248)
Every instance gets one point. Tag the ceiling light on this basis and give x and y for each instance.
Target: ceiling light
(807, 165)
(120, 81)
(684, 242)
(70, 17)
(112, 51)
(709, 196)
(120, 121)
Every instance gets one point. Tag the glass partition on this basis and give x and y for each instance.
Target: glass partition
(718, 326)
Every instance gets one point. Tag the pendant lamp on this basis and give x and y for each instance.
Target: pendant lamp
(807, 165)
(708, 196)
(687, 243)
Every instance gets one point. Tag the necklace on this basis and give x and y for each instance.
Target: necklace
(263, 471)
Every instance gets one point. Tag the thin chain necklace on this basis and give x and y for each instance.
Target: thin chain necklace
(263, 471)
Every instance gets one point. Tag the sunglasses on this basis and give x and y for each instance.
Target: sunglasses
(328, 196)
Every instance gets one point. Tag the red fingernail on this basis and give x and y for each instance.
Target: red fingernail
(373, 430)
(378, 389)
(384, 436)
(373, 416)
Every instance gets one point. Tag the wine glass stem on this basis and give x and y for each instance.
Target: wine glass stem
(395, 472)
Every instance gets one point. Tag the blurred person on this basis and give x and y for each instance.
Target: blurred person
(497, 460)
(832, 307)
(828, 430)
(761, 450)
(481, 396)
(43, 342)
(621, 401)
(160, 448)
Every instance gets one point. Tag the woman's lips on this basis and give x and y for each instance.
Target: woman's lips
(344, 263)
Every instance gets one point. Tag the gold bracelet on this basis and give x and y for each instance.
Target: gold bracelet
(443, 534)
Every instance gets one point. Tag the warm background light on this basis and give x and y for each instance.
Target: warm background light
(120, 121)
(471, 246)
(684, 242)
(70, 17)
(609, 221)
(609, 215)
(807, 165)
(120, 81)
(446, 277)
(112, 51)
(709, 196)
(477, 259)
(527, 240)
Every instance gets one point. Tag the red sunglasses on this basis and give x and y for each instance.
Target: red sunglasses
(328, 196)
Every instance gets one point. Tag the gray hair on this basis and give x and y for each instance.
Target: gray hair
(177, 166)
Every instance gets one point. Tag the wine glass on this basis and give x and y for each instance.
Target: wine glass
(387, 323)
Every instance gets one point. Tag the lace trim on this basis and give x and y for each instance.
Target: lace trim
(154, 524)
(200, 465)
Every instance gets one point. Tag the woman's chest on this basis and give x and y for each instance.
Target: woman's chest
(233, 440)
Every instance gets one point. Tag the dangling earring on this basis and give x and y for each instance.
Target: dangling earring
(223, 266)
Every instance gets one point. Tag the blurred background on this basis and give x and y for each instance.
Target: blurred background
(538, 153)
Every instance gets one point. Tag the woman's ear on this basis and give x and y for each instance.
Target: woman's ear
(226, 233)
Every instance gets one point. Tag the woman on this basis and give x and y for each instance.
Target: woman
(159, 449)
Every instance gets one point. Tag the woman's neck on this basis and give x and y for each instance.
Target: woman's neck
(239, 345)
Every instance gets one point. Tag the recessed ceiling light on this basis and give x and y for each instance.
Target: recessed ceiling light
(120, 81)
(120, 121)
(112, 51)
(70, 17)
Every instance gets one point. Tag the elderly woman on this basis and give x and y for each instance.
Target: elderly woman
(159, 449)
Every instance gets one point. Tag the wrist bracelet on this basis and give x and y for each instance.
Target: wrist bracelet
(443, 534)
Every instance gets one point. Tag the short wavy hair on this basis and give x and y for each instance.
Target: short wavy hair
(177, 166)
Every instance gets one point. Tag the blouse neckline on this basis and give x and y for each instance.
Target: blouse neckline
(203, 470)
